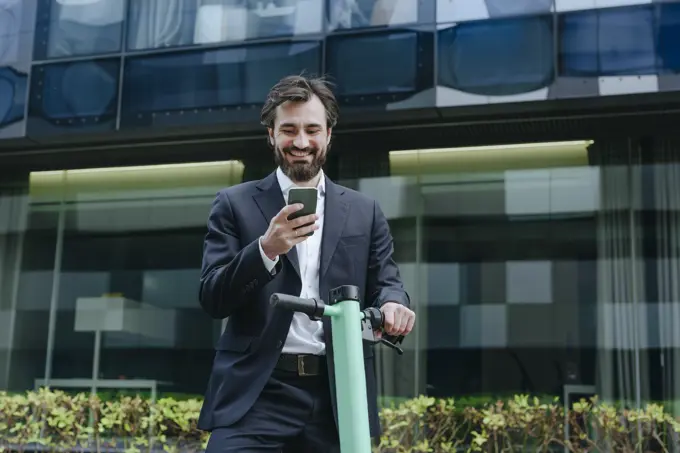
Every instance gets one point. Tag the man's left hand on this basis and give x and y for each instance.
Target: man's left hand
(398, 320)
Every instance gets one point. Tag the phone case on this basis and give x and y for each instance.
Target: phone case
(304, 196)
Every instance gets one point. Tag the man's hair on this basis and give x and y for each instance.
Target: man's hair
(300, 89)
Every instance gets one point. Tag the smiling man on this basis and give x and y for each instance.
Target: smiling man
(272, 386)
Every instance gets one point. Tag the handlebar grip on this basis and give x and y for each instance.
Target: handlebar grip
(375, 317)
(311, 307)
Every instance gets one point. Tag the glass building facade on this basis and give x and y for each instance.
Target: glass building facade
(542, 256)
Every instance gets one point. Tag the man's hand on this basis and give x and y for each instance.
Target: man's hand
(398, 320)
(282, 235)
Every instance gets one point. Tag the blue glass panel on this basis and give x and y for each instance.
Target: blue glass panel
(608, 42)
(16, 39)
(378, 68)
(74, 28)
(449, 11)
(343, 14)
(668, 46)
(171, 23)
(79, 96)
(503, 8)
(12, 96)
(185, 84)
(497, 57)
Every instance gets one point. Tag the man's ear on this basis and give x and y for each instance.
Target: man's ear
(271, 135)
(328, 141)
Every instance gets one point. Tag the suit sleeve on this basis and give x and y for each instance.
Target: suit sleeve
(230, 275)
(384, 282)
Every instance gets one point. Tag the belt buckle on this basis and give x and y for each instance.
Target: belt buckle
(301, 366)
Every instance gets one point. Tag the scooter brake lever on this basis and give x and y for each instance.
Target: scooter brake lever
(392, 345)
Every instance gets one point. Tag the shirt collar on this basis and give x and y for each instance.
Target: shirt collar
(286, 184)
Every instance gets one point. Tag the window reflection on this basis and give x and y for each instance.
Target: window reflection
(12, 96)
(14, 64)
(463, 10)
(499, 8)
(668, 24)
(389, 66)
(79, 95)
(166, 23)
(501, 257)
(10, 28)
(115, 226)
(377, 13)
(235, 77)
(497, 57)
(160, 23)
(616, 41)
(76, 27)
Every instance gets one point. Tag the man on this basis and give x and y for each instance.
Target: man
(272, 385)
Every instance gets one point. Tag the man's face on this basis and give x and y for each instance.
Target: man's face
(300, 139)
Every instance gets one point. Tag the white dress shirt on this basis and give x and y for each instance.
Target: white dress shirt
(305, 336)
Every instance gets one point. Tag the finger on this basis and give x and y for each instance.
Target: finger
(300, 234)
(301, 231)
(396, 328)
(286, 211)
(403, 322)
(411, 322)
(388, 321)
(300, 221)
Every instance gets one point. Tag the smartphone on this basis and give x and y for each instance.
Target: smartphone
(307, 196)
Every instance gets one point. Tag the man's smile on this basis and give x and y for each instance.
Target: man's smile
(299, 153)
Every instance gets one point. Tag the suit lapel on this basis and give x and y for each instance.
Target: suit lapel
(335, 216)
(270, 201)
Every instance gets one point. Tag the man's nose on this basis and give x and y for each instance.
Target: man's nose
(301, 141)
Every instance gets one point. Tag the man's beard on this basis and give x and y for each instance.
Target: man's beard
(301, 171)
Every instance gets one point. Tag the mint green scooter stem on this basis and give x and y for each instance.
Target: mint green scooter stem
(350, 327)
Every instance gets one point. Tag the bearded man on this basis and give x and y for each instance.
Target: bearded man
(272, 388)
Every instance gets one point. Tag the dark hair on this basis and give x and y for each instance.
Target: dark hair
(299, 88)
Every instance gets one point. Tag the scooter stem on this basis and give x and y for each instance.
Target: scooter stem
(344, 309)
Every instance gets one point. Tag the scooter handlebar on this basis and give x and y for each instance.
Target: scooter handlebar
(311, 307)
(375, 318)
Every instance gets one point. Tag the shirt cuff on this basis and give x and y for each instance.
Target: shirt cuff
(269, 264)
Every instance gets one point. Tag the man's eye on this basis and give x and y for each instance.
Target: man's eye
(288, 131)
(313, 131)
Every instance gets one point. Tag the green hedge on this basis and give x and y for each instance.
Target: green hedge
(57, 421)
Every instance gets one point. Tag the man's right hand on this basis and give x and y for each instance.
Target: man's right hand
(283, 234)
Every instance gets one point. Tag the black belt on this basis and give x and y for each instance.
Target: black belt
(302, 364)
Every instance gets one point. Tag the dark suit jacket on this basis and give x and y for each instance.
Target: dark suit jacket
(356, 250)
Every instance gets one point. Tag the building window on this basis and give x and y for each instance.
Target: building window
(344, 14)
(68, 28)
(170, 23)
(466, 10)
(81, 95)
(497, 57)
(608, 42)
(190, 83)
(380, 67)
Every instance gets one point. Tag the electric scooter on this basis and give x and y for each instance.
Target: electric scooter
(351, 326)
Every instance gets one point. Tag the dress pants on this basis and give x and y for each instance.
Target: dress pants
(293, 414)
